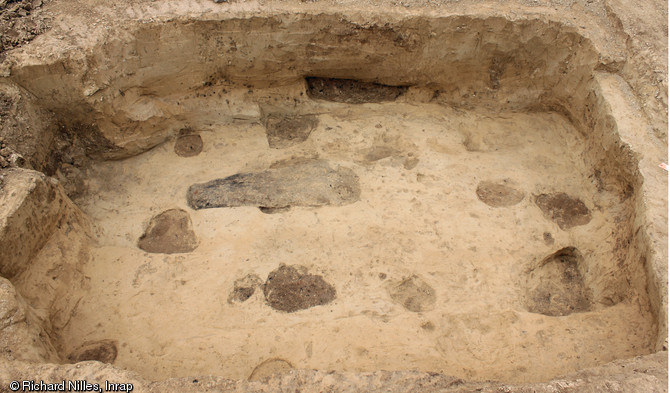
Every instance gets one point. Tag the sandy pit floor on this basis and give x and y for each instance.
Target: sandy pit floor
(423, 273)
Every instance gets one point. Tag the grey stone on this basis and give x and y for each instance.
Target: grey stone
(311, 183)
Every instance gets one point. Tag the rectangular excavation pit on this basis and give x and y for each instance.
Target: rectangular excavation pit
(473, 183)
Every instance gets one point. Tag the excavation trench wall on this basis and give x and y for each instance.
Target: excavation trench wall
(134, 88)
(138, 87)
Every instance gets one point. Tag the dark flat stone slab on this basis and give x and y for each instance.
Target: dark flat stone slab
(291, 288)
(305, 183)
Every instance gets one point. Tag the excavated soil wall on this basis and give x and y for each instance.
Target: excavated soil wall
(139, 86)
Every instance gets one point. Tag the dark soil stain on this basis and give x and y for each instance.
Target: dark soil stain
(351, 91)
(410, 163)
(498, 194)
(556, 286)
(188, 144)
(287, 130)
(103, 351)
(291, 289)
(563, 209)
(413, 293)
(377, 153)
(548, 239)
(169, 232)
(428, 326)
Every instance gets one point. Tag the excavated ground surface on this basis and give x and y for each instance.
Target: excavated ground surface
(421, 271)
(472, 197)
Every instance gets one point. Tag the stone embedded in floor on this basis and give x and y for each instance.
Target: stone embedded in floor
(292, 288)
(311, 183)
(170, 232)
(564, 210)
(499, 194)
(188, 144)
(288, 130)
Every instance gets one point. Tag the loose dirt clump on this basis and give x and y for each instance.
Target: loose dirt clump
(268, 368)
(563, 209)
(103, 351)
(169, 232)
(290, 289)
(288, 130)
(351, 91)
(188, 144)
(18, 24)
(413, 293)
(244, 288)
(498, 194)
(313, 183)
(556, 286)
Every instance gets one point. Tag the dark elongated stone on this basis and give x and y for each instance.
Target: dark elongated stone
(310, 183)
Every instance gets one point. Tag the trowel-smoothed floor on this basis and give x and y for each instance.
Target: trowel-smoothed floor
(426, 275)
